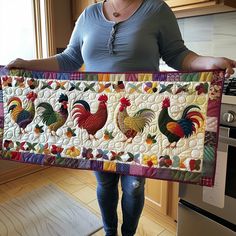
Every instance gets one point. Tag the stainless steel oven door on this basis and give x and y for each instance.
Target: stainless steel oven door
(227, 143)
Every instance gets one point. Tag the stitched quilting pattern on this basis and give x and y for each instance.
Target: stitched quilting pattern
(156, 125)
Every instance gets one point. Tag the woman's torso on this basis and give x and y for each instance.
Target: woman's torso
(131, 45)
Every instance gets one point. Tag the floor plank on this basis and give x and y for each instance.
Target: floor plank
(80, 184)
(47, 211)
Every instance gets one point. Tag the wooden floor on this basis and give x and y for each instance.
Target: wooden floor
(82, 186)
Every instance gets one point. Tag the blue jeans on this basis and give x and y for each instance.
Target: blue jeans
(132, 201)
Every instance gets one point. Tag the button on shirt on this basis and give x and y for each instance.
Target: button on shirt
(136, 44)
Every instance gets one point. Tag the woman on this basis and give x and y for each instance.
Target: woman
(122, 36)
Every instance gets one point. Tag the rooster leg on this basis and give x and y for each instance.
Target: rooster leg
(168, 146)
(22, 131)
(173, 146)
(124, 140)
(53, 133)
(92, 137)
(130, 140)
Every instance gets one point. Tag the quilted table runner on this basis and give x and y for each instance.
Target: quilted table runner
(161, 125)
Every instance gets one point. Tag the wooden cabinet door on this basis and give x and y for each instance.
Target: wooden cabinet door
(182, 3)
(79, 5)
(186, 8)
(173, 199)
(156, 195)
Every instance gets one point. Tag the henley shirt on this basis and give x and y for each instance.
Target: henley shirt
(136, 44)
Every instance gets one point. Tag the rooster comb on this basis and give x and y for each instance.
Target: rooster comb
(166, 102)
(125, 101)
(103, 98)
(31, 94)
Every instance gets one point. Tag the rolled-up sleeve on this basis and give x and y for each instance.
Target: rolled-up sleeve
(71, 59)
(171, 44)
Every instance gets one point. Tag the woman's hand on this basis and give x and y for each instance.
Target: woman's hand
(194, 62)
(46, 64)
(225, 64)
(17, 64)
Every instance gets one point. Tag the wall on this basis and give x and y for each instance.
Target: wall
(211, 35)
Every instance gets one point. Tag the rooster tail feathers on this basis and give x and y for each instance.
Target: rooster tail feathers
(83, 103)
(145, 113)
(144, 116)
(81, 110)
(46, 106)
(185, 112)
(48, 114)
(194, 116)
(196, 121)
(14, 101)
(140, 120)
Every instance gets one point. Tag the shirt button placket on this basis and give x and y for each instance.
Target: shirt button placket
(112, 39)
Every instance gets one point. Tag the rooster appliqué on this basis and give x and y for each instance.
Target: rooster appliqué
(174, 130)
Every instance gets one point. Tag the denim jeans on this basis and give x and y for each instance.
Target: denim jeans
(132, 201)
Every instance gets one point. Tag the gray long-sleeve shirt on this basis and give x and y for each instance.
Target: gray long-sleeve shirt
(135, 44)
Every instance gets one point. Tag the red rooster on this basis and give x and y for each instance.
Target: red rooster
(174, 130)
(22, 116)
(86, 120)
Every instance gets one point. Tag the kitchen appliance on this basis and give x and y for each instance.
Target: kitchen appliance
(196, 217)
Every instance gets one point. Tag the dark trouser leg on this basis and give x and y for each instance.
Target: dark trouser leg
(107, 195)
(132, 203)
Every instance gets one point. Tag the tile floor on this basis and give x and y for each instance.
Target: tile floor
(82, 186)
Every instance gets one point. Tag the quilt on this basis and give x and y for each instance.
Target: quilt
(161, 125)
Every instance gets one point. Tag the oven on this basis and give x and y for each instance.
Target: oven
(215, 213)
(227, 143)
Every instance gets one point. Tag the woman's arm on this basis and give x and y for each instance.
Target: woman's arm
(195, 62)
(69, 60)
(177, 55)
(48, 64)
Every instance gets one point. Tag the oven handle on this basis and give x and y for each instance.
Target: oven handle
(226, 140)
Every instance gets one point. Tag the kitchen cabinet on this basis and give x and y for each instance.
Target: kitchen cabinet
(181, 8)
(78, 6)
(186, 8)
(161, 200)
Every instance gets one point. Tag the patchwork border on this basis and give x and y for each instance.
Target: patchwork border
(114, 82)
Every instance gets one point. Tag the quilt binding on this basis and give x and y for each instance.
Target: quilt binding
(203, 178)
